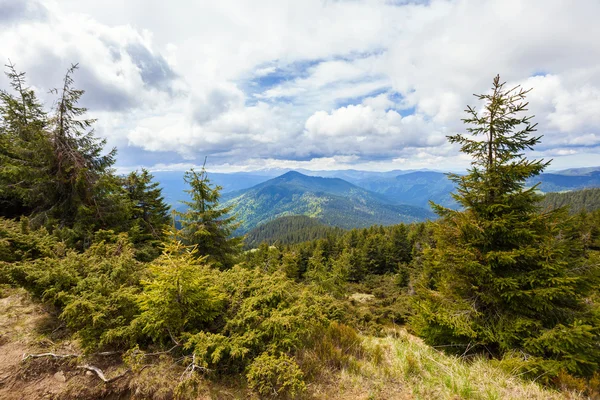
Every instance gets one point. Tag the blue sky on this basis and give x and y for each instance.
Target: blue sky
(316, 84)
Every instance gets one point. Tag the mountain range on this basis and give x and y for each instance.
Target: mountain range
(348, 198)
(333, 201)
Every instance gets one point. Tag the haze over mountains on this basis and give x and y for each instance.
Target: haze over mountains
(407, 187)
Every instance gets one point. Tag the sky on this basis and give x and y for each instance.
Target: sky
(315, 84)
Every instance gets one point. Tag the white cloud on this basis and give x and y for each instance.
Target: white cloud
(361, 129)
(312, 81)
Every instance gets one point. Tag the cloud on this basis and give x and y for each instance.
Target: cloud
(375, 83)
(13, 11)
(215, 101)
(119, 69)
(362, 129)
(154, 69)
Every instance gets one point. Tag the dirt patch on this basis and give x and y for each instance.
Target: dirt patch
(22, 322)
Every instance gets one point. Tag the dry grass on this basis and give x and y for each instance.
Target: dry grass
(401, 366)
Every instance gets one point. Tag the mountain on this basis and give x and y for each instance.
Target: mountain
(333, 201)
(577, 171)
(289, 230)
(414, 188)
(395, 187)
(174, 186)
(419, 187)
(560, 183)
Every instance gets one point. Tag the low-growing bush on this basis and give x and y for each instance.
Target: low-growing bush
(275, 375)
(96, 291)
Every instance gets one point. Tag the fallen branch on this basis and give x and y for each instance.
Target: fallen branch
(60, 356)
(189, 370)
(100, 374)
(107, 353)
(173, 338)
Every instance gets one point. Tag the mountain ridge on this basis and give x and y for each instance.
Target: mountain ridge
(333, 201)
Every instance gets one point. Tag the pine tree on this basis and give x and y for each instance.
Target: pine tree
(150, 212)
(181, 294)
(501, 277)
(78, 161)
(24, 148)
(206, 224)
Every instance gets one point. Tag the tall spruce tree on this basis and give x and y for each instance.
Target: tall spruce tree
(25, 150)
(501, 277)
(206, 224)
(149, 214)
(78, 162)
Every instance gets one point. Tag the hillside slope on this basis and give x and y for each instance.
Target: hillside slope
(398, 366)
(558, 182)
(414, 188)
(289, 230)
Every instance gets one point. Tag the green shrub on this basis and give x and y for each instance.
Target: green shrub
(265, 313)
(275, 375)
(19, 243)
(180, 295)
(96, 291)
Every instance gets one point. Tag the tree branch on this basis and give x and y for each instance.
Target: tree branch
(100, 373)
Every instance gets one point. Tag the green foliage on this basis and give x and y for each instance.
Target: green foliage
(77, 160)
(275, 375)
(342, 256)
(53, 170)
(149, 213)
(265, 313)
(205, 224)
(180, 294)
(502, 275)
(25, 148)
(96, 291)
(18, 242)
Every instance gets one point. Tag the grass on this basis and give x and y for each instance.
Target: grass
(401, 366)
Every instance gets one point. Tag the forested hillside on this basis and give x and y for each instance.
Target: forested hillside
(576, 201)
(289, 230)
(104, 296)
(415, 188)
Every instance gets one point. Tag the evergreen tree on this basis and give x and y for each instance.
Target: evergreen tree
(399, 247)
(78, 162)
(24, 148)
(206, 224)
(150, 212)
(501, 276)
(289, 265)
(180, 296)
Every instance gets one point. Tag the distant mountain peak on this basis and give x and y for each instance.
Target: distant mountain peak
(292, 174)
(333, 201)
